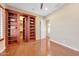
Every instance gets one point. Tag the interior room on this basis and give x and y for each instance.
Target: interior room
(39, 29)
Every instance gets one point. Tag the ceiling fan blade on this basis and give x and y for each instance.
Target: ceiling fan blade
(41, 6)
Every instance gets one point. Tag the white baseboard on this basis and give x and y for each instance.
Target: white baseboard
(62, 44)
(2, 50)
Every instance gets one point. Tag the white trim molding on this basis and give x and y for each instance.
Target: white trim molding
(62, 44)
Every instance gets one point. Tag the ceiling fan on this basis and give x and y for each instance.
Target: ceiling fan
(41, 7)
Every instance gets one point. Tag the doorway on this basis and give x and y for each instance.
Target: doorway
(21, 18)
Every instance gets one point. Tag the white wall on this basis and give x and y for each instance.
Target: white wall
(38, 27)
(43, 28)
(65, 25)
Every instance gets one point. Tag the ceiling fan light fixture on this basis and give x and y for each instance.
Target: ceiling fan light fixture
(46, 8)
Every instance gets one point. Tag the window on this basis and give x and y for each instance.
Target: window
(1, 24)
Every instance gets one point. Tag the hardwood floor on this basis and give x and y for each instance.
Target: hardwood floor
(39, 48)
(59, 50)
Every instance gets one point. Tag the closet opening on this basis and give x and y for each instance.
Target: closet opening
(19, 27)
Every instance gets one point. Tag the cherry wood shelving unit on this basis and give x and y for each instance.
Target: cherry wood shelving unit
(11, 26)
(29, 28)
(12, 23)
(32, 28)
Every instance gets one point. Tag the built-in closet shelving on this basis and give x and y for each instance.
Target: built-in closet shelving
(14, 23)
(11, 26)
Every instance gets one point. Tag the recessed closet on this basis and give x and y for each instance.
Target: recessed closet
(19, 27)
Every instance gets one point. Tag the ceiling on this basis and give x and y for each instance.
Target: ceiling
(35, 7)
